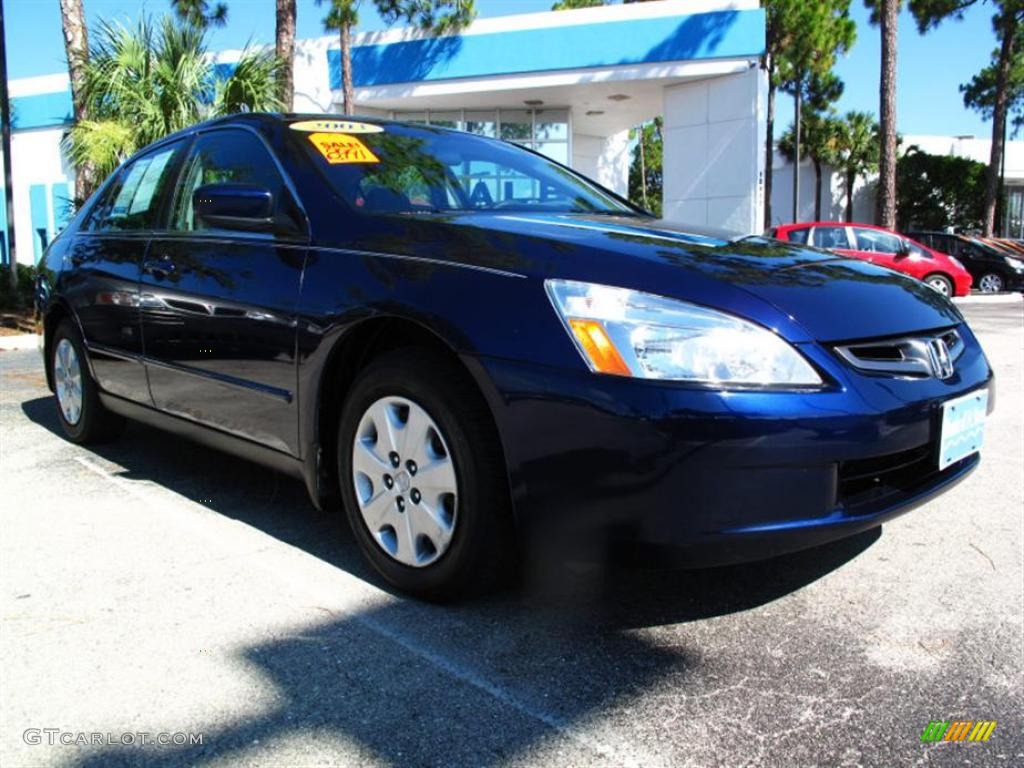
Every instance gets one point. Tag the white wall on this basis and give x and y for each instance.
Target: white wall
(833, 195)
(36, 159)
(713, 154)
(603, 158)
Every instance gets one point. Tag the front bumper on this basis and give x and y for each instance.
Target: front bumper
(723, 476)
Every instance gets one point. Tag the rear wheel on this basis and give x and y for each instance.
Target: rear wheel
(422, 477)
(940, 283)
(991, 282)
(82, 416)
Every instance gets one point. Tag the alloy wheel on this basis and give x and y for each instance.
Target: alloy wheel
(67, 374)
(990, 283)
(405, 481)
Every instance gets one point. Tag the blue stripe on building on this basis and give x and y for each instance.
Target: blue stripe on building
(41, 110)
(40, 219)
(715, 35)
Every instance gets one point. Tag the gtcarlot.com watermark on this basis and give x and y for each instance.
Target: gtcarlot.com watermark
(55, 736)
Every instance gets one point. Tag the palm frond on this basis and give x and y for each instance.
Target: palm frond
(252, 86)
(101, 144)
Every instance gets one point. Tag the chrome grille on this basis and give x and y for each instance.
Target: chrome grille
(930, 355)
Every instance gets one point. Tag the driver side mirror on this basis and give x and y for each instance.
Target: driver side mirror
(245, 207)
(904, 250)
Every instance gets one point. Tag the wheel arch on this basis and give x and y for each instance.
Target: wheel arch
(354, 347)
(57, 311)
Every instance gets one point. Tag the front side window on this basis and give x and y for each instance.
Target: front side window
(227, 156)
(831, 237)
(875, 241)
(406, 169)
(133, 201)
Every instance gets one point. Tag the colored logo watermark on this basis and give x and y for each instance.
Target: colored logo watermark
(958, 730)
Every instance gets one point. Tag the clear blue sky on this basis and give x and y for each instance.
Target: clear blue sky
(931, 67)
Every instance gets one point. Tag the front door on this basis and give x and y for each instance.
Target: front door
(218, 306)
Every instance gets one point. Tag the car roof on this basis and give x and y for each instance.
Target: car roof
(264, 120)
(805, 224)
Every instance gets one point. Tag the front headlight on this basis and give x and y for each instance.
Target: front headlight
(629, 333)
(1017, 265)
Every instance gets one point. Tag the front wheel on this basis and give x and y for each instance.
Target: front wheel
(422, 477)
(991, 282)
(940, 283)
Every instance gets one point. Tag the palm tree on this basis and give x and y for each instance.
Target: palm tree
(341, 17)
(855, 150)
(76, 46)
(438, 16)
(198, 13)
(284, 36)
(886, 13)
(818, 131)
(143, 83)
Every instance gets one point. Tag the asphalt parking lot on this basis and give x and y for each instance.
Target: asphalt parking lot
(152, 586)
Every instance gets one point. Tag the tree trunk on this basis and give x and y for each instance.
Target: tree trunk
(285, 49)
(817, 189)
(1008, 28)
(348, 92)
(796, 153)
(851, 178)
(76, 47)
(769, 148)
(887, 112)
(643, 167)
(5, 141)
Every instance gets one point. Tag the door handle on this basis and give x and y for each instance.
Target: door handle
(158, 267)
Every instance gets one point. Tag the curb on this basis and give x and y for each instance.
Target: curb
(19, 342)
(994, 298)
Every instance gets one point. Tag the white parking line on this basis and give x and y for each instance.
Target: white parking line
(320, 590)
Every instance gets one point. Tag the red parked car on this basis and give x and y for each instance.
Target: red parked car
(883, 247)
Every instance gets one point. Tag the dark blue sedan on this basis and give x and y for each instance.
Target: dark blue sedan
(466, 346)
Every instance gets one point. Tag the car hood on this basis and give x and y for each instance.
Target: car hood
(804, 293)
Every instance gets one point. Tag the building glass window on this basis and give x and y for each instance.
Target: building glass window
(1013, 223)
(482, 123)
(544, 130)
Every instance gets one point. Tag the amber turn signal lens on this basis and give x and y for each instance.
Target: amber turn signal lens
(598, 347)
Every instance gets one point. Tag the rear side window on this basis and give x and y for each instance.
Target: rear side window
(227, 156)
(875, 241)
(133, 201)
(798, 236)
(831, 237)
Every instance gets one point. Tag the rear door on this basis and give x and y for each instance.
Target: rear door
(878, 247)
(219, 305)
(106, 258)
(832, 238)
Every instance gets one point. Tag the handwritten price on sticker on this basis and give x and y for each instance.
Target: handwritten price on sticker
(338, 148)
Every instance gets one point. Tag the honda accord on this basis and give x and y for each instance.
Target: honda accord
(464, 345)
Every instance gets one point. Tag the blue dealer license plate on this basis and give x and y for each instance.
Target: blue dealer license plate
(963, 427)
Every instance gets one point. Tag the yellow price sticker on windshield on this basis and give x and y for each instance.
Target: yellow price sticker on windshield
(337, 148)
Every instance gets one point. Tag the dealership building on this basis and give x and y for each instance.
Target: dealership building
(569, 84)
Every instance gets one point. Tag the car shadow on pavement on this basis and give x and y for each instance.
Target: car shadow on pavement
(626, 596)
(478, 683)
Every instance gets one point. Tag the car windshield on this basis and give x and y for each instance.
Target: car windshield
(405, 169)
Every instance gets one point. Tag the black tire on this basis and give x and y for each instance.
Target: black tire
(992, 282)
(95, 424)
(933, 280)
(482, 548)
